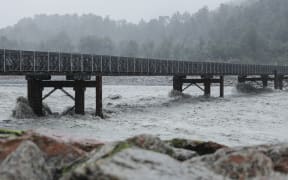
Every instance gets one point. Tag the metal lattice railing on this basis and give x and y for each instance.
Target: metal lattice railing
(20, 62)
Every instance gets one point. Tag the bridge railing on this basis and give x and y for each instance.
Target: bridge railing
(21, 62)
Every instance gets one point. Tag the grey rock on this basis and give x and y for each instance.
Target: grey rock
(138, 164)
(22, 109)
(279, 156)
(235, 163)
(183, 154)
(25, 163)
(153, 143)
(115, 97)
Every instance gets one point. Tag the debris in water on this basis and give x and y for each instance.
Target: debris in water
(115, 97)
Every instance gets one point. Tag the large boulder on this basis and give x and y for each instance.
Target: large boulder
(236, 163)
(154, 143)
(59, 154)
(202, 148)
(135, 163)
(25, 163)
(279, 156)
(23, 110)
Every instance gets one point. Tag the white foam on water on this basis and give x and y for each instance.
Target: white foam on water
(22, 109)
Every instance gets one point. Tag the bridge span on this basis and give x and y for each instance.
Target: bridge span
(38, 67)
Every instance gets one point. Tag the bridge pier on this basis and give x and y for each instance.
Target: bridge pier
(207, 81)
(79, 97)
(265, 80)
(34, 92)
(277, 79)
(99, 111)
(36, 84)
(178, 83)
(221, 86)
(281, 78)
(207, 85)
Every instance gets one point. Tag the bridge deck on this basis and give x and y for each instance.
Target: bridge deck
(18, 62)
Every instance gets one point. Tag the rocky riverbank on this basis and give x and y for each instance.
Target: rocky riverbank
(32, 156)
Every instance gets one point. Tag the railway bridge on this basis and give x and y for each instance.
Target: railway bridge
(38, 68)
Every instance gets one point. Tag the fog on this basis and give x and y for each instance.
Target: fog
(132, 10)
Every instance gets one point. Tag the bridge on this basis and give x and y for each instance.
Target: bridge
(38, 67)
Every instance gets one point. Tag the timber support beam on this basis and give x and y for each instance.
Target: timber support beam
(36, 84)
(178, 82)
(35, 92)
(206, 80)
(277, 79)
(79, 97)
(99, 105)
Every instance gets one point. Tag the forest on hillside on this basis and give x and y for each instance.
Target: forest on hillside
(255, 31)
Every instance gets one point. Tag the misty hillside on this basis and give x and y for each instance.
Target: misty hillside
(252, 31)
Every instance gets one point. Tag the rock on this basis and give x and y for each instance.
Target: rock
(154, 143)
(139, 157)
(13, 132)
(25, 163)
(22, 109)
(236, 164)
(130, 164)
(279, 157)
(202, 148)
(8, 146)
(183, 154)
(86, 145)
(115, 97)
(9, 134)
(59, 154)
(150, 142)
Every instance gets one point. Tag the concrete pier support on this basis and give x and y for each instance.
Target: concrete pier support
(79, 97)
(99, 111)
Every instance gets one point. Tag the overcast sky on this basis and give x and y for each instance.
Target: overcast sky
(132, 10)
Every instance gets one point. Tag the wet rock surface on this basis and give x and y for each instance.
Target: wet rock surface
(26, 163)
(28, 155)
(200, 147)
